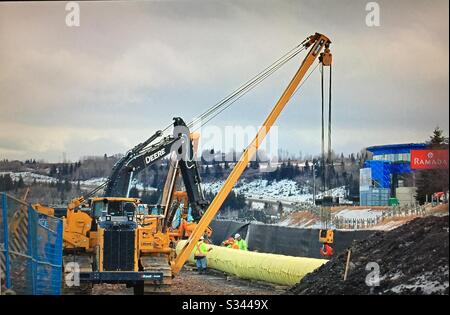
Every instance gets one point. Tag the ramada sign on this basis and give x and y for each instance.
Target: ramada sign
(429, 159)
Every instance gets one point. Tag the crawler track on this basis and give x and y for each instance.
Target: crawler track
(85, 264)
(152, 287)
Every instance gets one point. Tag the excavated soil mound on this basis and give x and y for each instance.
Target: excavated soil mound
(412, 259)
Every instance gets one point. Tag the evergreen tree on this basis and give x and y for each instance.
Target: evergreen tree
(134, 192)
(437, 139)
(53, 170)
(67, 185)
(431, 181)
(307, 167)
(280, 210)
(59, 186)
(218, 170)
(207, 171)
(6, 183)
(150, 198)
(20, 182)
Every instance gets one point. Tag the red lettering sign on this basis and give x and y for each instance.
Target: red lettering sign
(429, 159)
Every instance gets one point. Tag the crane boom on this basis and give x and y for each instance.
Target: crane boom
(318, 43)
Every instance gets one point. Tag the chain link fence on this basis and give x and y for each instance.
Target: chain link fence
(30, 249)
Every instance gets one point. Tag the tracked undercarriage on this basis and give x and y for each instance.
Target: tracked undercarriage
(155, 264)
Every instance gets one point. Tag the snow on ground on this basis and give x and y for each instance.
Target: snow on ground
(302, 219)
(358, 214)
(307, 219)
(390, 225)
(258, 205)
(424, 283)
(29, 177)
(335, 192)
(286, 190)
(93, 181)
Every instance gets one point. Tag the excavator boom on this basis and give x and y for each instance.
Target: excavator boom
(318, 42)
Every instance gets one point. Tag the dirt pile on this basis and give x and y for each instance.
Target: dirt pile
(412, 259)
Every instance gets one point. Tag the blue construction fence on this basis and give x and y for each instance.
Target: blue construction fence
(30, 249)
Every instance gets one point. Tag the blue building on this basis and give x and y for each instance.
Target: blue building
(379, 179)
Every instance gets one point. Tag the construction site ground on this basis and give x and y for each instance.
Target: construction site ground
(412, 259)
(189, 282)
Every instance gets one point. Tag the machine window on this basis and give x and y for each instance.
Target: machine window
(129, 208)
(115, 208)
(99, 207)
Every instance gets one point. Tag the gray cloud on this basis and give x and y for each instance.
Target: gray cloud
(132, 66)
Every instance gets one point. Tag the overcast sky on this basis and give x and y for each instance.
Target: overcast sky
(130, 67)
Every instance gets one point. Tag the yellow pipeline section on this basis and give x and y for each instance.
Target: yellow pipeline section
(279, 269)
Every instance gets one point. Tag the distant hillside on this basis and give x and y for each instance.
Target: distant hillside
(342, 171)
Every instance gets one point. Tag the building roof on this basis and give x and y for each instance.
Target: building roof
(396, 148)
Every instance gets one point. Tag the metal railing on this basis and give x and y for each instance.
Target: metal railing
(391, 212)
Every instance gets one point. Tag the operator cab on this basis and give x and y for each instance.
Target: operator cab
(115, 212)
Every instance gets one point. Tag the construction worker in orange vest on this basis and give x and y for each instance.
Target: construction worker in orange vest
(228, 242)
(326, 250)
(201, 250)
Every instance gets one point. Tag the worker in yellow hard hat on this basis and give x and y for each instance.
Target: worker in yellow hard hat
(240, 242)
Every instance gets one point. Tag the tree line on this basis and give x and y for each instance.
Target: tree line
(8, 184)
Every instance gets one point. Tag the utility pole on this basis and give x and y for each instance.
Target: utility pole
(314, 183)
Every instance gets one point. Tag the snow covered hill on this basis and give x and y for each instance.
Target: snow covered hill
(285, 190)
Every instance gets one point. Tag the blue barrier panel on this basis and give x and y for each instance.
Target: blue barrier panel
(6, 263)
(31, 248)
(46, 250)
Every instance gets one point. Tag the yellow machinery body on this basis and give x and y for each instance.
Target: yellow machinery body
(86, 235)
(91, 238)
(326, 236)
(78, 232)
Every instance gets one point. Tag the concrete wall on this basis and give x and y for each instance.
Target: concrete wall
(406, 195)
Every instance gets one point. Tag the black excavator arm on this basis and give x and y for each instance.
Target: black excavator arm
(146, 154)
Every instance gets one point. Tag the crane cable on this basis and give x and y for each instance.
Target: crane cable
(250, 84)
(329, 121)
(231, 98)
(325, 170)
(234, 96)
(217, 108)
